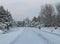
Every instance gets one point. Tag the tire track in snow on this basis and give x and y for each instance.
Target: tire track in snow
(45, 39)
(41, 34)
(41, 40)
(52, 36)
(17, 36)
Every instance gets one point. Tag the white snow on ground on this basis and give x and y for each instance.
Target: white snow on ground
(36, 36)
(51, 29)
(1, 31)
(11, 36)
(31, 36)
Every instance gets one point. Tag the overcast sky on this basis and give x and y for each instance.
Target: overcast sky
(21, 9)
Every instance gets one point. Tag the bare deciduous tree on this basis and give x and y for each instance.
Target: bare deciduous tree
(46, 14)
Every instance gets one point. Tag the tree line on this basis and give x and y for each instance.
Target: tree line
(6, 19)
(49, 15)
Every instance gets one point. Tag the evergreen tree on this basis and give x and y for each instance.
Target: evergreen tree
(35, 19)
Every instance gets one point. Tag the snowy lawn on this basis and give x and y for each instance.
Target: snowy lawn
(51, 29)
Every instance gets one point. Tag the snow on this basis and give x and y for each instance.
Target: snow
(28, 35)
(51, 29)
(11, 36)
(1, 31)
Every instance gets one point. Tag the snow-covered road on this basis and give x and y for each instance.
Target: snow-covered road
(28, 35)
(36, 36)
(10, 36)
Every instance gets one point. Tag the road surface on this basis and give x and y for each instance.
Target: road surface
(36, 36)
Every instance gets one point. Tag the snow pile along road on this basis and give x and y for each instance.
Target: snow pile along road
(10, 36)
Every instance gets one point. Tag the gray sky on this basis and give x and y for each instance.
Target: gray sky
(21, 9)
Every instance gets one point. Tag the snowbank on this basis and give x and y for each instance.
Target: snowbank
(11, 36)
(1, 31)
